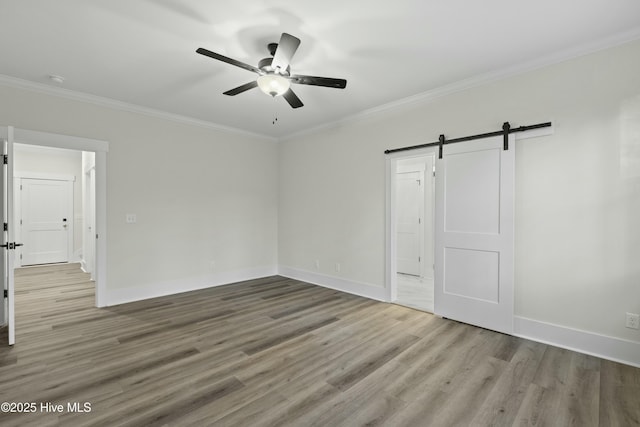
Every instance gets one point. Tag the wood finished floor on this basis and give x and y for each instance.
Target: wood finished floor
(278, 352)
(415, 292)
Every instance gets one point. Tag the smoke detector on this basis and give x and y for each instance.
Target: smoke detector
(56, 79)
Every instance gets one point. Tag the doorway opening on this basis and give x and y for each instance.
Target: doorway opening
(411, 201)
(54, 205)
(51, 200)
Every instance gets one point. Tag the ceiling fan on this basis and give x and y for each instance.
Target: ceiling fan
(274, 74)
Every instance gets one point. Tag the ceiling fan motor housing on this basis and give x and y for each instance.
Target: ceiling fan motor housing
(265, 65)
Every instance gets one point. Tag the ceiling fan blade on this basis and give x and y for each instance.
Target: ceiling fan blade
(223, 58)
(319, 81)
(286, 49)
(292, 99)
(240, 89)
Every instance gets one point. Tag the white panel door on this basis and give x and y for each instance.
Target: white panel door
(3, 257)
(6, 186)
(46, 220)
(475, 234)
(409, 203)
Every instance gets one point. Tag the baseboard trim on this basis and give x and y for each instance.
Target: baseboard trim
(337, 283)
(605, 347)
(172, 287)
(76, 257)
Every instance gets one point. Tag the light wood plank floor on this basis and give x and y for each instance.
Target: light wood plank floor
(278, 352)
(415, 292)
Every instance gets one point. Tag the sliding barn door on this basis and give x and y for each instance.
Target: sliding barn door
(474, 261)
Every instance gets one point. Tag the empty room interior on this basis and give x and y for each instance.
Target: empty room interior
(270, 213)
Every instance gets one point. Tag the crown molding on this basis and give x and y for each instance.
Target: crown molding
(413, 101)
(430, 96)
(122, 106)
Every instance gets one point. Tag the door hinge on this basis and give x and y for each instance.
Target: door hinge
(6, 227)
(6, 293)
(5, 159)
(419, 221)
(419, 259)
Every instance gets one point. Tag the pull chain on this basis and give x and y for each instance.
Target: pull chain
(275, 112)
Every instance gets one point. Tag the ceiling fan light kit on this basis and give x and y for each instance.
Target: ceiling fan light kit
(273, 84)
(274, 74)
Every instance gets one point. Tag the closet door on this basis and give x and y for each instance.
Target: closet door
(474, 261)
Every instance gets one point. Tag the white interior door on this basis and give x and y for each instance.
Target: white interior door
(6, 186)
(409, 204)
(46, 207)
(3, 257)
(475, 234)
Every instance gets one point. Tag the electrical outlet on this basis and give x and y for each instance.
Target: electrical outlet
(317, 264)
(633, 320)
(337, 267)
(131, 218)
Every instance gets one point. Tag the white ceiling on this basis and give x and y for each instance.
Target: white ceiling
(143, 52)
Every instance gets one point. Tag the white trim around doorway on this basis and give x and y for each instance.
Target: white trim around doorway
(100, 148)
(391, 283)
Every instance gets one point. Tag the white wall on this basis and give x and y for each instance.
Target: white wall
(201, 195)
(577, 209)
(31, 158)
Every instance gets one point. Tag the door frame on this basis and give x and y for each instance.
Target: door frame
(88, 214)
(17, 195)
(391, 265)
(100, 148)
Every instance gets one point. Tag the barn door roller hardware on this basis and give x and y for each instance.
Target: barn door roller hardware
(442, 141)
